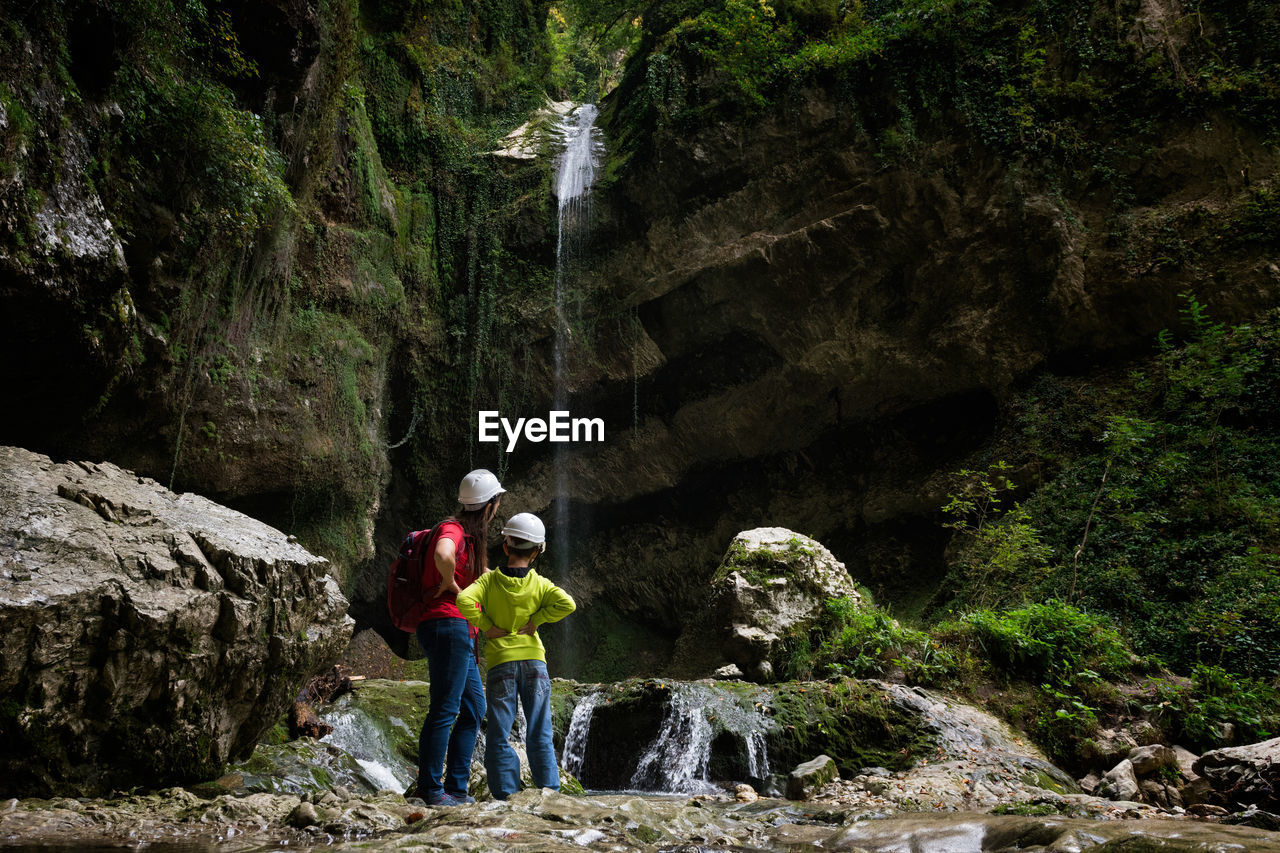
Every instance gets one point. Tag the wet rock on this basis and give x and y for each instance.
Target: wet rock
(547, 822)
(1206, 810)
(985, 834)
(1245, 774)
(304, 766)
(303, 815)
(804, 779)
(146, 637)
(1256, 817)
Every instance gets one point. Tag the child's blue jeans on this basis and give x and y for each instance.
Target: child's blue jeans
(527, 681)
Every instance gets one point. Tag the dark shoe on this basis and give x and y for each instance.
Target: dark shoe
(442, 799)
(462, 799)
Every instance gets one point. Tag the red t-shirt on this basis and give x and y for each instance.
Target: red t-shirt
(446, 605)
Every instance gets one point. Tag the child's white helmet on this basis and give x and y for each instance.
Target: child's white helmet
(525, 529)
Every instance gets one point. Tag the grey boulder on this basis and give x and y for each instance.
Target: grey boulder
(146, 637)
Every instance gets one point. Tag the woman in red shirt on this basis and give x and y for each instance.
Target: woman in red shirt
(448, 735)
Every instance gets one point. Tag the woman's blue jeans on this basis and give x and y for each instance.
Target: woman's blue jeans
(526, 680)
(457, 705)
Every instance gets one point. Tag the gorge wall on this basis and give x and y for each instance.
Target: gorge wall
(808, 314)
(287, 272)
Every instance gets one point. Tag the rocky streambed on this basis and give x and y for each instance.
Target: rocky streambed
(971, 785)
(540, 820)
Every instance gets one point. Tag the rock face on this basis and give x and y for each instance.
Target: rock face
(1245, 774)
(818, 335)
(147, 637)
(772, 583)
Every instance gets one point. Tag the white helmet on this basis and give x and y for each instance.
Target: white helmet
(525, 529)
(478, 488)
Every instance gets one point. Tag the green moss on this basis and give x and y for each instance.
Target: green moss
(853, 722)
(794, 560)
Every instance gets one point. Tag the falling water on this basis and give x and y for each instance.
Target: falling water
(575, 172)
(575, 740)
(357, 735)
(680, 758)
(677, 759)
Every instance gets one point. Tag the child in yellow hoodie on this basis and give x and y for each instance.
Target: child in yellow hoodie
(508, 605)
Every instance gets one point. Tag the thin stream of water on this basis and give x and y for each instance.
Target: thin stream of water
(575, 172)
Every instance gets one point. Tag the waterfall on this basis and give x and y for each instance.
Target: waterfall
(575, 740)
(758, 754)
(677, 759)
(356, 734)
(575, 172)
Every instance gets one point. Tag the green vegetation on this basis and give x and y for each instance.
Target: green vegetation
(857, 638)
(794, 560)
(586, 57)
(1158, 534)
(1077, 89)
(315, 263)
(1168, 522)
(1148, 554)
(1198, 711)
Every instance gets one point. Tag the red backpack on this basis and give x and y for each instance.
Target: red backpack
(410, 577)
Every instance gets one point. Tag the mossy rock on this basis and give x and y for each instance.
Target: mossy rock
(396, 708)
(301, 766)
(772, 585)
(853, 721)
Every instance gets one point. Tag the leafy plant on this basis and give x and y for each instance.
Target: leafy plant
(1215, 708)
(1002, 558)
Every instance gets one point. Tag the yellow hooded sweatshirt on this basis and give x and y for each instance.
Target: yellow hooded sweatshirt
(496, 599)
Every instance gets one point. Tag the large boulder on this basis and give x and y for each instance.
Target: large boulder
(146, 637)
(1245, 774)
(772, 584)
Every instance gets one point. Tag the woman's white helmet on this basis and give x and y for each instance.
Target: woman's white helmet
(478, 488)
(524, 530)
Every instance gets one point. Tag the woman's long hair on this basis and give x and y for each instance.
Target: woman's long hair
(475, 524)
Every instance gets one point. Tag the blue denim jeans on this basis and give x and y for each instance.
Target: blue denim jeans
(528, 681)
(457, 705)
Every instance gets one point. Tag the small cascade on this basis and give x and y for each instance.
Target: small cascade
(678, 758)
(575, 740)
(358, 736)
(758, 754)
